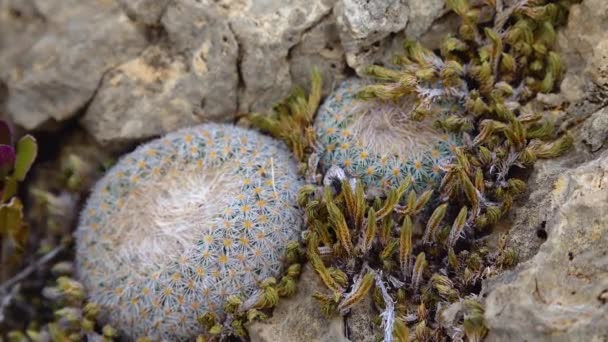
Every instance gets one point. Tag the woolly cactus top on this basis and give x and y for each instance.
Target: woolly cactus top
(182, 223)
(378, 141)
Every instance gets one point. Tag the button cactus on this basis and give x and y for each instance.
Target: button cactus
(183, 223)
(378, 142)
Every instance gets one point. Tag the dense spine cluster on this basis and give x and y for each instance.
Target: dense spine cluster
(379, 141)
(185, 226)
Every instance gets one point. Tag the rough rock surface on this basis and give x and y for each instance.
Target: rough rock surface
(360, 322)
(299, 318)
(320, 48)
(267, 31)
(584, 93)
(191, 78)
(55, 75)
(136, 69)
(560, 232)
(561, 293)
(584, 46)
(529, 218)
(364, 26)
(595, 130)
(148, 12)
(363, 23)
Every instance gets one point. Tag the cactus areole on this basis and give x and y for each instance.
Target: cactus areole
(184, 222)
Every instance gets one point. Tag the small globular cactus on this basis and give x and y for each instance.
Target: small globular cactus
(186, 226)
(380, 142)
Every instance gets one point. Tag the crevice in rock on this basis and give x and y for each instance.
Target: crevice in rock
(312, 26)
(241, 85)
(541, 232)
(81, 112)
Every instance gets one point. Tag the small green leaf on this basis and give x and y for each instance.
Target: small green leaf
(10, 189)
(27, 150)
(11, 222)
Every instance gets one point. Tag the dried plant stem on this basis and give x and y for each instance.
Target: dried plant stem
(388, 315)
(29, 270)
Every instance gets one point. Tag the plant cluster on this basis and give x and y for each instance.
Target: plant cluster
(15, 162)
(416, 246)
(291, 120)
(43, 301)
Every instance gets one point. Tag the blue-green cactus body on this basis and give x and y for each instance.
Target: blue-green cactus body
(182, 223)
(378, 142)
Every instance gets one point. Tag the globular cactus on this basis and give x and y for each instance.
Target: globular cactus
(379, 141)
(183, 223)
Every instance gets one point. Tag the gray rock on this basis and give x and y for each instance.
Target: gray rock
(529, 218)
(298, 318)
(57, 73)
(560, 294)
(422, 14)
(584, 47)
(320, 48)
(364, 24)
(266, 32)
(139, 68)
(147, 12)
(595, 130)
(217, 59)
(360, 322)
(369, 29)
(21, 24)
(189, 79)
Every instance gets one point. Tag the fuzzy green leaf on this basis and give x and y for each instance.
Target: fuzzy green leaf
(11, 222)
(27, 150)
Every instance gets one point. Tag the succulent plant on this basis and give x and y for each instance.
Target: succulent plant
(15, 162)
(441, 134)
(379, 142)
(188, 232)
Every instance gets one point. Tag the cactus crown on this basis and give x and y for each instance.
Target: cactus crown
(183, 223)
(379, 142)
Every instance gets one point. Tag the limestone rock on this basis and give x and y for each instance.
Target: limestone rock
(21, 24)
(147, 12)
(299, 318)
(422, 14)
(57, 73)
(584, 46)
(189, 79)
(320, 48)
(529, 218)
(360, 322)
(560, 294)
(364, 26)
(137, 69)
(595, 129)
(266, 32)
(216, 59)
